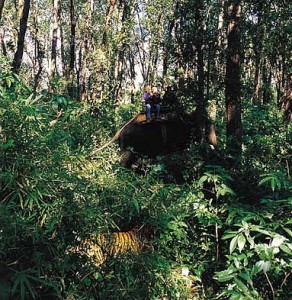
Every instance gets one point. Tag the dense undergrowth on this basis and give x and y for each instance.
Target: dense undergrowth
(225, 233)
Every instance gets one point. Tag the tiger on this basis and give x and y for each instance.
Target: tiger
(98, 247)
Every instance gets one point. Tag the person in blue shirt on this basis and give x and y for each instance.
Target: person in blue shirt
(146, 100)
(152, 102)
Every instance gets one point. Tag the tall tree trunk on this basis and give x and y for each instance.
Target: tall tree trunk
(79, 79)
(21, 35)
(155, 52)
(132, 75)
(219, 67)
(166, 50)
(257, 79)
(141, 50)
(267, 79)
(200, 98)
(56, 20)
(109, 14)
(124, 11)
(62, 46)
(258, 45)
(72, 49)
(38, 52)
(38, 60)
(232, 79)
(2, 2)
(2, 43)
(82, 70)
(84, 53)
(200, 115)
(283, 62)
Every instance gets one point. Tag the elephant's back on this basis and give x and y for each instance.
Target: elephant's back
(155, 137)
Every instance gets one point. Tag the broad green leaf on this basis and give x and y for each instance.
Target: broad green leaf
(229, 235)
(260, 230)
(226, 277)
(278, 240)
(240, 284)
(288, 231)
(233, 244)
(285, 249)
(241, 242)
(202, 179)
(246, 277)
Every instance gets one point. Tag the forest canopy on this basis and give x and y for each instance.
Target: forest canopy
(208, 219)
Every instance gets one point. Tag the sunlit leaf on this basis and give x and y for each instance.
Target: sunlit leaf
(233, 244)
(241, 242)
(263, 265)
(278, 240)
(286, 249)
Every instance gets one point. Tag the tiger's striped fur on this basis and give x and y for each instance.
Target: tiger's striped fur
(98, 247)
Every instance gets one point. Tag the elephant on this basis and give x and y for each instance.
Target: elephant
(151, 139)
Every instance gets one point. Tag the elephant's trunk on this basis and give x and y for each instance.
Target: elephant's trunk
(116, 136)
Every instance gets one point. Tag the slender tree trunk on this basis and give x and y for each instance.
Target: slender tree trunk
(79, 70)
(63, 52)
(56, 20)
(278, 81)
(124, 11)
(232, 80)
(21, 35)
(166, 49)
(38, 53)
(3, 46)
(141, 50)
(82, 72)
(267, 78)
(219, 67)
(84, 52)
(283, 79)
(72, 49)
(200, 115)
(109, 14)
(38, 60)
(2, 2)
(200, 99)
(155, 53)
(132, 75)
(257, 80)
(258, 54)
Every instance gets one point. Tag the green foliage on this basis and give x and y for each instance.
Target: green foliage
(259, 252)
(223, 233)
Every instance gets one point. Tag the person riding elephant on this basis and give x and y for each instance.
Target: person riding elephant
(156, 102)
(146, 100)
(152, 102)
